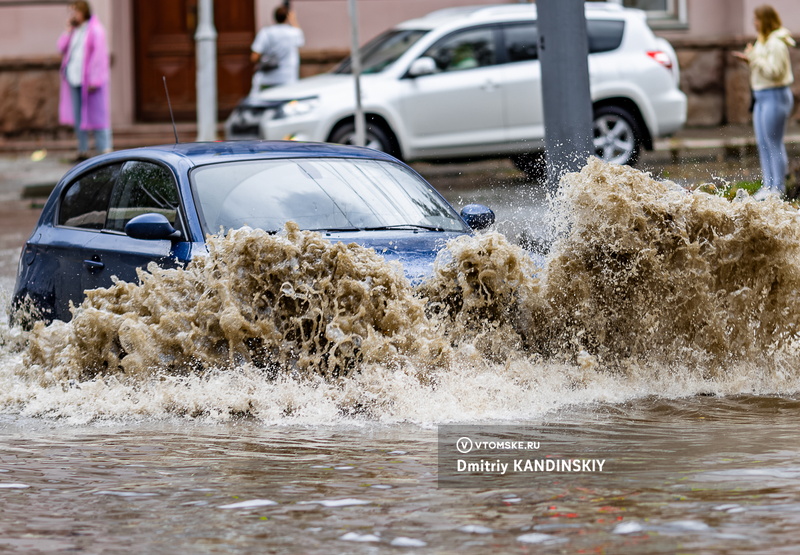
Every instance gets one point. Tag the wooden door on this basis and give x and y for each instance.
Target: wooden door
(165, 47)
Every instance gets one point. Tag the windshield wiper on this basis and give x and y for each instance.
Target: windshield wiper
(378, 228)
(404, 226)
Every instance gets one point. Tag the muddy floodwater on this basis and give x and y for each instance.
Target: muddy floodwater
(642, 382)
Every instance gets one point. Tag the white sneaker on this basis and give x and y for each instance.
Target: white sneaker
(764, 193)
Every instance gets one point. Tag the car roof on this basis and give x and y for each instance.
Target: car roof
(482, 14)
(202, 153)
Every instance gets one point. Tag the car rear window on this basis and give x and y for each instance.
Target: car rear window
(604, 34)
(522, 41)
(85, 202)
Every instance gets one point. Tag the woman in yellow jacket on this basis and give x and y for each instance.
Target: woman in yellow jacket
(770, 77)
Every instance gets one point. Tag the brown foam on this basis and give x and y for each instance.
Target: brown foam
(642, 274)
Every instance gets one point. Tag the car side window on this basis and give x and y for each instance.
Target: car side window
(521, 42)
(85, 202)
(464, 50)
(604, 34)
(142, 188)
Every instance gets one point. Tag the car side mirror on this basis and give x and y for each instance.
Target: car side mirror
(422, 66)
(477, 216)
(151, 226)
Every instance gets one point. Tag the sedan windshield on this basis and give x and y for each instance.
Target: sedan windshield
(331, 194)
(383, 50)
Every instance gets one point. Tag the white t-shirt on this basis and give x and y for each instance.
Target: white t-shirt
(281, 40)
(77, 49)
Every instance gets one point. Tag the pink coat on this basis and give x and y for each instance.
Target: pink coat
(94, 89)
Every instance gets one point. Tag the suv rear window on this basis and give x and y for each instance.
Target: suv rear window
(522, 41)
(604, 34)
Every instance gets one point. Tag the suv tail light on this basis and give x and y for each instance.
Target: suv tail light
(661, 57)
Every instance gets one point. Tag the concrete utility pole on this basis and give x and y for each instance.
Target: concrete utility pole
(567, 103)
(206, 43)
(360, 137)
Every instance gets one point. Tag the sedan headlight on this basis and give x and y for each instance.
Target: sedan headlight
(297, 107)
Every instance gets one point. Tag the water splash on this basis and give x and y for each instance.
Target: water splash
(644, 268)
(290, 303)
(648, 289)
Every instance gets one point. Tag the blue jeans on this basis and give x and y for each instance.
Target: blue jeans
(102, 137)
(770, 114)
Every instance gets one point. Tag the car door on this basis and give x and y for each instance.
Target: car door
(81, 217)
(140, 187)
(458, 110)
(522, 84)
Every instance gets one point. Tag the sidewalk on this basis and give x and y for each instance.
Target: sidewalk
(726, 141)
(29, 168)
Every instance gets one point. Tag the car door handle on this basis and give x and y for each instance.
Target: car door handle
(489, 86)
(94, 265)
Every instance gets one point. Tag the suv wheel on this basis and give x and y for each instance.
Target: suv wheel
(376, 137)
(616, 135)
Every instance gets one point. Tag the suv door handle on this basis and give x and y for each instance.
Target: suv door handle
(490, 86)
(94, 265)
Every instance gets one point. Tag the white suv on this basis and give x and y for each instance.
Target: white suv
(464, 83)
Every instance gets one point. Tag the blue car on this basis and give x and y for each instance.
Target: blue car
(120, 211)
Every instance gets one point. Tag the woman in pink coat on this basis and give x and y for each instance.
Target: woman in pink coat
(84, 100)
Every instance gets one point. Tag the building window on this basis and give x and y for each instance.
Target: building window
(660, 13)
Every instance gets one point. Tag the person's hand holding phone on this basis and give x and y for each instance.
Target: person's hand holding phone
(291, 18)
(74, 19)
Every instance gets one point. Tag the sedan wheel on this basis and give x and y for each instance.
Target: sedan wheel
(616, 136)
(376, 138)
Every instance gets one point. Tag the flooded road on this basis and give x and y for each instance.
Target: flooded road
(644, 344)
(692, 475)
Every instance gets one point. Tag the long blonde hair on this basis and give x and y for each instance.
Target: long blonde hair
(768, 20)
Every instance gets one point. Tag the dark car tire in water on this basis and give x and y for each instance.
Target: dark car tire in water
(376, 137)
(617, 137)
(533, 164)
(25, 312)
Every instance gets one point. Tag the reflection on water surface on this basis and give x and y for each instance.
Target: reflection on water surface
(701, 474)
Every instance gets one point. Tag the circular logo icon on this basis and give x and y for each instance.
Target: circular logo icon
(464, 445)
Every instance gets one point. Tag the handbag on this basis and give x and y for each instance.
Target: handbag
(268, 60)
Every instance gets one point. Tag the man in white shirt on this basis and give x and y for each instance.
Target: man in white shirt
(275, 51)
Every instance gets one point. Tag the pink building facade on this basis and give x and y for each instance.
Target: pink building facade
(704, 32)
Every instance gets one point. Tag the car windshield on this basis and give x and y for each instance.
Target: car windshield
(332, 194)
(383, 50)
